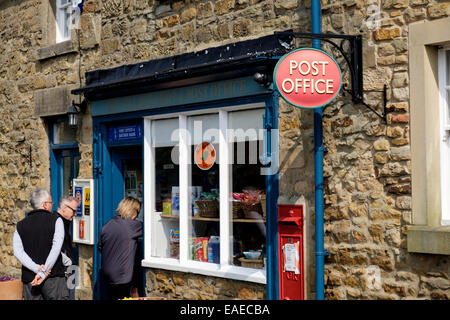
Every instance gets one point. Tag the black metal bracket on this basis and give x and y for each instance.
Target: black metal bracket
(353, 57)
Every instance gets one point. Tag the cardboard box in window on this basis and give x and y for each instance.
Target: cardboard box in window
(11, 290)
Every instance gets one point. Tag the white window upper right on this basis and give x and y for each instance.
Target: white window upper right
(444, 115)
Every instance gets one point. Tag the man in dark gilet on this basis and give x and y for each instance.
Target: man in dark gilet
(37, 245)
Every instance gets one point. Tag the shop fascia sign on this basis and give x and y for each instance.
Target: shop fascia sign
(308, 78)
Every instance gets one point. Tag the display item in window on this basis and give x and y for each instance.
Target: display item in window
(208, 204)
(176, 201)
(214, 249)
(200, 251)
(205, 155)
(174, 243)
(195, 196)
(167, 206)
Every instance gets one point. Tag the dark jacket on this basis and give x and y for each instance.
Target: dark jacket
(36, 231)
(67, 248)
(117, 243)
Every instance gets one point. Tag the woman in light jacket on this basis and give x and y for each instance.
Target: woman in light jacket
(117, 243)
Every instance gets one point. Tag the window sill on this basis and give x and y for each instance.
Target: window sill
(208, 269)
(427, 239)
(55, 50)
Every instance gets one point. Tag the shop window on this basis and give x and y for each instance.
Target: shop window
(207, 193)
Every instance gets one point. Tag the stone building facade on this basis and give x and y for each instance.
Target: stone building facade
(368, 166)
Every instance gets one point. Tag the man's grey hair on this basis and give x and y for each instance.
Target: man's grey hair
(38, 197)
(66, 200)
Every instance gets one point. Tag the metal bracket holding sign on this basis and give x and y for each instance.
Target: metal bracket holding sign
(353, 57)
(83, 222)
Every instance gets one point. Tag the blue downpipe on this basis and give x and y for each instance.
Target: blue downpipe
(316, 23)
(272, 200)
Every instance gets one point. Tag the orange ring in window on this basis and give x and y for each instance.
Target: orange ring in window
(205, 155)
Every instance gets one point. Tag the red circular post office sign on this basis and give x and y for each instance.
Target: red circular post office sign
(205, 155)
(308, 78)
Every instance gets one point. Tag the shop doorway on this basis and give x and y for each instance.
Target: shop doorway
(126, 180)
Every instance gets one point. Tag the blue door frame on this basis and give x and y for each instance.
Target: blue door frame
(102, 165)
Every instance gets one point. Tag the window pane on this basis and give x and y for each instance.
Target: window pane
(246, 124)
(248, 186)
(66, 23)
(448, 67)
(70, 168)
(62, 133)
(204, 225)
(165, 218)
(162, 131)
(447, 103)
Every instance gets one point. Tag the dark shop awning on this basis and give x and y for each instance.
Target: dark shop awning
(225, 62)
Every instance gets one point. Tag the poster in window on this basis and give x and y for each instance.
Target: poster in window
(205, 155)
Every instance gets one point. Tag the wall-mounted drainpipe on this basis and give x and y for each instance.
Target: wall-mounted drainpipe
(316, 25)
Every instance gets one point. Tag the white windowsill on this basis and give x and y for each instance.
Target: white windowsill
(208, 269)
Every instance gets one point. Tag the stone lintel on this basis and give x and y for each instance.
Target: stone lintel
(53, 101)
(56, 50)
(428, 239)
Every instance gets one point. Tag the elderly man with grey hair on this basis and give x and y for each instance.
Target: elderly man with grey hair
(67, 209)
(37, 245)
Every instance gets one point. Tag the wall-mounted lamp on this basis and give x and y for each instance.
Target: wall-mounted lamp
(263, 79)
(74, 110)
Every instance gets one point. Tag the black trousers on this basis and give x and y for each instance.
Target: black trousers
(51, 289)
(119, 291)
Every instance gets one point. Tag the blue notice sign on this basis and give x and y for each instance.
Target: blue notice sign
(122, 133)
(79, 197)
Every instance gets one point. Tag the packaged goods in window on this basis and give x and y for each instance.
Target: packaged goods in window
(167, 206)
(175, 201)
(214, 249)
(201, 249)
(174, 243)
(195, 194)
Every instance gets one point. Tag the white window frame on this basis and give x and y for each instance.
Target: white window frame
(444, 117)
(61, 20)
(224, 269)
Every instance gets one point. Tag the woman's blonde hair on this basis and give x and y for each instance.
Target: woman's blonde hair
(128, 207)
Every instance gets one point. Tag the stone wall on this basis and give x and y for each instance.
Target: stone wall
(24, 164)
(367, 166)
(180, 285)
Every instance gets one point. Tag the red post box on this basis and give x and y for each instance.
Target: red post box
(290, 252)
